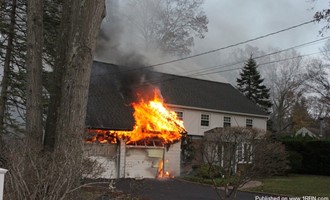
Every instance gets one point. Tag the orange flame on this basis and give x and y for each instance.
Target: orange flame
(161, 173)
(153, 120)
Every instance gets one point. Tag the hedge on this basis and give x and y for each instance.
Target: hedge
(308, 156)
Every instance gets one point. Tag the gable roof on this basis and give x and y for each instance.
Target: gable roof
(108, 108)
(307, 132)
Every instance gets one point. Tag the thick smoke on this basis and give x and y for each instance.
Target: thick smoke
(111, 49)
(118, 43)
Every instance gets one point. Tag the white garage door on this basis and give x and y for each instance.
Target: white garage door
(143, 162)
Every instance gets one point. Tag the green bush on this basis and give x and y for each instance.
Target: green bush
(308, 156)
(295, 161)
(209, 171)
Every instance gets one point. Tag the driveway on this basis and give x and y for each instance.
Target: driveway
(172, 189)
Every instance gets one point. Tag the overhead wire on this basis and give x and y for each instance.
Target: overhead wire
(256, 57)
(225, 47)
(201, 72)
(227, 70)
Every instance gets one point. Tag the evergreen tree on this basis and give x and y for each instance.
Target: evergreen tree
(250, 84)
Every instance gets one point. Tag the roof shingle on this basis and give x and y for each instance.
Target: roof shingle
(109, 105)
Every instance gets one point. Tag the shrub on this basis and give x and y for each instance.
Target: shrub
(209, 171)
(309, 156)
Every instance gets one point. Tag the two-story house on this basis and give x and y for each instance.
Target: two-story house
(201, 104)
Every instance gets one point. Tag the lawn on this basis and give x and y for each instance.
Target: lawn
(296, 185)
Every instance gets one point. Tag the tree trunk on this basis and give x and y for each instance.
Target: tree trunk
(85, 19)
(62, 50)
(6, 66)
(34, 70)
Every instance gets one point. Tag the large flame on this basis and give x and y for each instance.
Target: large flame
(153, 121)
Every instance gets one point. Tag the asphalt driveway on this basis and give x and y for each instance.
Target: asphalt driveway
(172, 189)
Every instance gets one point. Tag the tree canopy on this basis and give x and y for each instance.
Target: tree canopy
(168, 25)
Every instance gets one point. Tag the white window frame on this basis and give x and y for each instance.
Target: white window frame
(249, 123)
(241, 151)
(205, 118)
(179, 115)
(228, 122)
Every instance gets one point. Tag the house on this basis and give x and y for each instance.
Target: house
(307, 132)
(202, 105)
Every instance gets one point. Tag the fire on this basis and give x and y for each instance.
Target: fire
(161, 173)
(153, 121)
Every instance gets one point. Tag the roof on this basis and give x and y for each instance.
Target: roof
(307, 132)
(109, 95)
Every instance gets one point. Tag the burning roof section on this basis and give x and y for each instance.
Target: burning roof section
(124, 105)
(116, 90)
(154, 122)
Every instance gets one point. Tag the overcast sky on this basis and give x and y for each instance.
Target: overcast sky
(232, 21)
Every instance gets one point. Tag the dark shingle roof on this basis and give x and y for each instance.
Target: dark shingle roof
(109, 109)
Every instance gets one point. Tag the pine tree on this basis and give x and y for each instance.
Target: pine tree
(250, 84)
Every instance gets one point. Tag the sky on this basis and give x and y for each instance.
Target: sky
(233, 21)
(238, 20)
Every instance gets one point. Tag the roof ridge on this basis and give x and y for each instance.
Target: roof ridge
(175, 75)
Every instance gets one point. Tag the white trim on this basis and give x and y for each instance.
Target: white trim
(2, 179)
(208, 120)
(217, 111)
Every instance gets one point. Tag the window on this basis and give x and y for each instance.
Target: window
(179, 115)
(226, 122)
(205, 120)
(249, 123)
(244, 153)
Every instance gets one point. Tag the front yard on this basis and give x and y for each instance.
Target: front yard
(296, 185)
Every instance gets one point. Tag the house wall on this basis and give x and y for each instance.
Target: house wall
(192, 120)
(127, 161)
(104, 154)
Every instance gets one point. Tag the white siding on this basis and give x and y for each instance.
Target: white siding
(172, 159)
(192, 120)
(106, 155)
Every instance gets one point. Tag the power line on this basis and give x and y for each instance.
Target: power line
(233, 45)
(227, 70)
(257, 57)
(266, 63)
(206, 71)
(223, 48)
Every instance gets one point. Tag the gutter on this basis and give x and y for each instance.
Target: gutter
(217, 111)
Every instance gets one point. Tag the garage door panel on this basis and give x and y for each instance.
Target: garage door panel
(142, 163)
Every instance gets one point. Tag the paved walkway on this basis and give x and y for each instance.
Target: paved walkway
(174, 189)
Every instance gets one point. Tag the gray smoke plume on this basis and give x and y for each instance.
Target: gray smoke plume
(110, 49)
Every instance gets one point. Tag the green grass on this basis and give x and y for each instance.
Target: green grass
(296, 185)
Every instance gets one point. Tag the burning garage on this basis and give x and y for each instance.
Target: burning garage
(134, 122)
(130, 130)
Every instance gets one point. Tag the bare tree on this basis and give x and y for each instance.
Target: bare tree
(237, 155)
(6, 64)
(285, 80)
(51, 176)
(318, 80)
(323, 15)
(170, 25)
(38, 174)
(318, 84)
